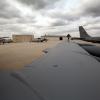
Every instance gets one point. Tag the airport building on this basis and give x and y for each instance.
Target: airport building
(22, 38)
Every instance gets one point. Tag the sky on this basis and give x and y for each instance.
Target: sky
(51, 17)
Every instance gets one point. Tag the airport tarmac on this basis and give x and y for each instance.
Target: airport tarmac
(17, 55)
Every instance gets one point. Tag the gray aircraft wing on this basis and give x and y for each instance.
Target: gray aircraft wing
(65, 72)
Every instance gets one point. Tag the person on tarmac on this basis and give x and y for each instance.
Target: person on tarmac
(68, 37)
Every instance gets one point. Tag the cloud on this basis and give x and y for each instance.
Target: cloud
(85, 8)
(69, 16)
(59, 23)
(7, 11)
(39, 4)
(49, 16)
(90, 7)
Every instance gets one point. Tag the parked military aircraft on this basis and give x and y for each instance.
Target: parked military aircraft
(40, 40)
(5, 40)
(90, 48)
(2, 40)
(86, 37)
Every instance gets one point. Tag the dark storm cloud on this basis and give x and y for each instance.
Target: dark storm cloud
(25, 20)
(9, 14)
(94, 11)
(2, 4)
(64, 16)
(6, 11)
(92, 21)
(91, 8)
(59, 23)
(86, 8)
(38, 4)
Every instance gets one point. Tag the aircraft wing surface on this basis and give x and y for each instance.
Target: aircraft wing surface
(65, 72)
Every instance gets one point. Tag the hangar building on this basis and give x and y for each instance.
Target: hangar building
(22, 38)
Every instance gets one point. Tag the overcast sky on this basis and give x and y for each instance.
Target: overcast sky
(52, 17)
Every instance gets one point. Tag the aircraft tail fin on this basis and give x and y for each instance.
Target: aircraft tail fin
(83, 33)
